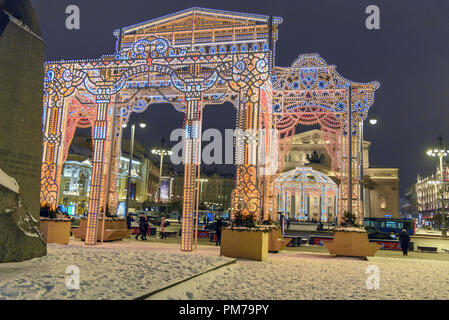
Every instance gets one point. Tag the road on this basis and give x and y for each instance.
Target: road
(427, 239)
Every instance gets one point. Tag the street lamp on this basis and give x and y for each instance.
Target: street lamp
(441, 152)
(131, 154)
(161, 152)
(372, 120)
(201, 180)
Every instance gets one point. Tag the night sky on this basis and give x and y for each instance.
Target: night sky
(409, 56)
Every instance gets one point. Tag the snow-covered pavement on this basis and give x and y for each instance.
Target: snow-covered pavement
(123, 270)
(131, 269)
(304, 276)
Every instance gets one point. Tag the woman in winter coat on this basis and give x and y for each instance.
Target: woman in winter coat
(404, 240)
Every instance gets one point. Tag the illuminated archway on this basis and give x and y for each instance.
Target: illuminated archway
(189, 59)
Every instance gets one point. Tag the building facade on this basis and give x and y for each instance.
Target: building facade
(423, 199)
(77, 171)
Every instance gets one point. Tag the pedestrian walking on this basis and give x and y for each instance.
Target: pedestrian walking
(162, 226)
(129, 219)
(288, 224)
(218, 231)
(404, 240)
(143, 227)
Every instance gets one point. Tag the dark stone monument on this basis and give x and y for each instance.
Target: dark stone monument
(21, 76)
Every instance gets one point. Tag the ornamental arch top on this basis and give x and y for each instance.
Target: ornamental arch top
(190, 59)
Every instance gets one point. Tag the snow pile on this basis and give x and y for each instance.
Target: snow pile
(8, 182)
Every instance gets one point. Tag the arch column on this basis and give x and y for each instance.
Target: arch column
(54, 124)
(98, 160)
(192, 160)
(351, 157)
(246, 197)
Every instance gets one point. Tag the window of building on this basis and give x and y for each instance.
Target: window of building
(383, 203)
(132, 193)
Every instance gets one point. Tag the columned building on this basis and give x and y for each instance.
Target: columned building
(380, 185)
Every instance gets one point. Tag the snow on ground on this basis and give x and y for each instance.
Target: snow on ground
(300, 276)
(122, 270)
(129, 269)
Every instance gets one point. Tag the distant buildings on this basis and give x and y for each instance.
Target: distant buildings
(423, 198)
(215, 189)
(77, 170)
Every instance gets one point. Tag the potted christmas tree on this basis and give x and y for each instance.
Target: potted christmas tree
(351, 239)
(245, 238)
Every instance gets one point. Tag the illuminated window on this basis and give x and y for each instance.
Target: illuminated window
(383, 203)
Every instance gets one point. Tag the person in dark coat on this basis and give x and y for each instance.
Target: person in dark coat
(143, 227)
(218, 231)
(288, 224)
(129, 219)
(404, 240)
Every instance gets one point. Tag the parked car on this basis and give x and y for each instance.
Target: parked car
(374, 233)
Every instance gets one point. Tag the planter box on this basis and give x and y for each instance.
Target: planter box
(352, 244)
(252, 245)
(56, 231)
(113, 230)
(276, 242)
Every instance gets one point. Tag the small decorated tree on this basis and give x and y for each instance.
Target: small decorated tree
(349, 222)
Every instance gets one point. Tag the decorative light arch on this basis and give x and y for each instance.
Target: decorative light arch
(159, 66)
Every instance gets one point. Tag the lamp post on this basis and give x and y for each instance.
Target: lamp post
(130, 163)
(201, 180)
(372, 120)
(441, 152)
(161, 152)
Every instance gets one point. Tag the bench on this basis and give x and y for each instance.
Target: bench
(428, 249)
